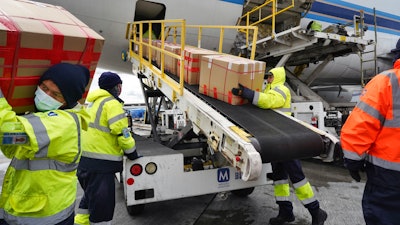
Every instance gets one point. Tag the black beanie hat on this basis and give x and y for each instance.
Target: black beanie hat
(108, 80)
(396, 51)
(71, 79)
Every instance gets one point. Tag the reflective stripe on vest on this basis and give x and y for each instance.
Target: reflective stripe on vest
(54, 219)
(352, 155)
(116, 118)
(95, 155)
(40, 162)
(280, 92)
(284, 110)
(383, 163)
(395, 122)
(385, 123)
(96, 123)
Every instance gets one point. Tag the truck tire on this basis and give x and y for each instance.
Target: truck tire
(135, 210)
(243, 192)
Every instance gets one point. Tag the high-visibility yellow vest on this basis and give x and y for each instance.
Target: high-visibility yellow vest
(107, 137)
(40, 184)
(276, 95)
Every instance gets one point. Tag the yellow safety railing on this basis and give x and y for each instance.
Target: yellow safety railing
(258, 10)
(134, 34)
(137, 43)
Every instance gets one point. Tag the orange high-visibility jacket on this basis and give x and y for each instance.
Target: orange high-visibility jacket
(372, 131)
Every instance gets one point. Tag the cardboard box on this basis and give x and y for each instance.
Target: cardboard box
(146, 49)
(171, 63)
(220, 73)
(192, 63)
(155, 53)
(35, 36)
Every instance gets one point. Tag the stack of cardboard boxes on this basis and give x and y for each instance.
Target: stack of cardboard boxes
(192, 60)
(35, 36)
(171, 63)
(215, 73)
(220, 73)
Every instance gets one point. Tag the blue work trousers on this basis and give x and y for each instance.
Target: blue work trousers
(99, 195)
(381, 198)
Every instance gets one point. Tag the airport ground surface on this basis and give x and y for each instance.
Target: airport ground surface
(338, 195)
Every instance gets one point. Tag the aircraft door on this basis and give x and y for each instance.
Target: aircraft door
(146, 10)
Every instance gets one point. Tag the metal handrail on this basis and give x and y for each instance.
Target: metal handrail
(135, 38)
(134, 34)
(272, 16)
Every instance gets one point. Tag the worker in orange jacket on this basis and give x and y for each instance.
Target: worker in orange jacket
(370, 141)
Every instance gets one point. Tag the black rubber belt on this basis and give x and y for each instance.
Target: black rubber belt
(279, 138)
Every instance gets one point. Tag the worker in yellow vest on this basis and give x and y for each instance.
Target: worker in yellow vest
(105, 143)
(277, 96)
(40, 183)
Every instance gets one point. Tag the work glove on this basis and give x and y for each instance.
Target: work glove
(354, 167)
(355, 175)
(243, 92)
(134, 155)
(271, 176)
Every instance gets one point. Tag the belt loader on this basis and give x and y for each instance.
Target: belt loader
(199, 145)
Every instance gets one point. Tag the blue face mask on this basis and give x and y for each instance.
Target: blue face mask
(44, 102)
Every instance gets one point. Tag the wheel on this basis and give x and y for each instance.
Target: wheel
(243, 192)
(135, 210)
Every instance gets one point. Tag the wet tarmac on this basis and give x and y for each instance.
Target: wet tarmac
(338, 194)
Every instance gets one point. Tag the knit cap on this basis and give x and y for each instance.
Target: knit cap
(108, 80)
(71, 79)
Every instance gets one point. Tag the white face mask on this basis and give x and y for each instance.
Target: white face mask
(44, 102)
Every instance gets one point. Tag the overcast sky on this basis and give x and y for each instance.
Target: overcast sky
(131, 89)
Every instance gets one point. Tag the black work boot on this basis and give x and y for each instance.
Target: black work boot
(279, 220)
(319, 218)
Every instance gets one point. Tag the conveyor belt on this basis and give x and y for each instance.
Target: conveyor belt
(279, 138)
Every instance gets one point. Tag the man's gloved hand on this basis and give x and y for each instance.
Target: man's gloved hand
(355, 175)
(134, 155)
(354, 168)
(271, 176)
(243, 92)
(238, 91)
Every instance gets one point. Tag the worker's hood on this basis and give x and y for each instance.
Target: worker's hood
(279, 76)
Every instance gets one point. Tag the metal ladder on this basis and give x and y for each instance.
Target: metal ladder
(296, 46)
(361, 54)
